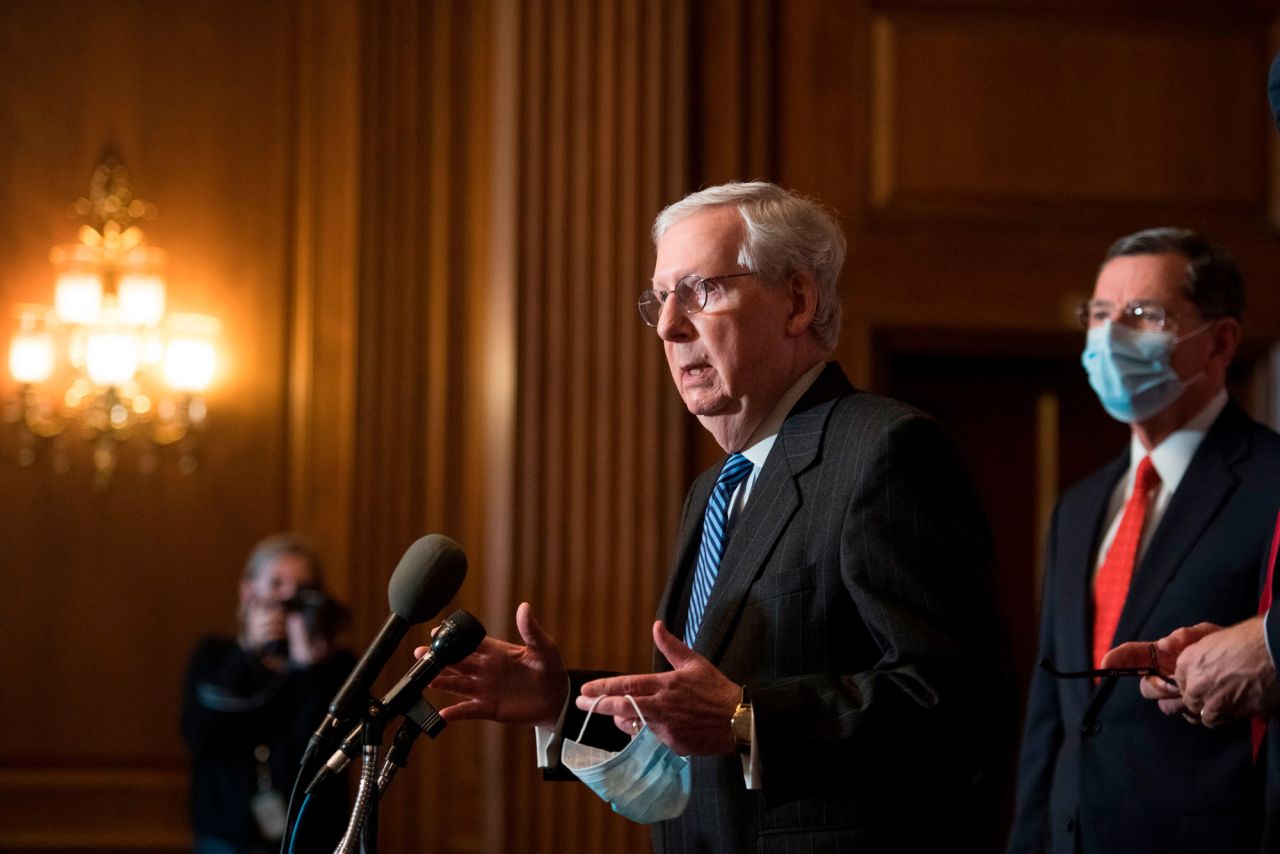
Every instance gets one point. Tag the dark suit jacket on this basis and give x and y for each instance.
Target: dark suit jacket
(1103, 769)
(853, 600)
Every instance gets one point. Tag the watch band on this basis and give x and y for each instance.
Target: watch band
(742, 722)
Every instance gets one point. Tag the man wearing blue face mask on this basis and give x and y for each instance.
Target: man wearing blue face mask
(1173, 532)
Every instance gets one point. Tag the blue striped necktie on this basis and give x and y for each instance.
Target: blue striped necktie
(735, 470)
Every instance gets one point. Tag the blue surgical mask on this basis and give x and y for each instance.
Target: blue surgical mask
(646, 781)
(1131, 370)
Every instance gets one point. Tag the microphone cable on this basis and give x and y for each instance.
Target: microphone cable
(293, 836)
(289, 819)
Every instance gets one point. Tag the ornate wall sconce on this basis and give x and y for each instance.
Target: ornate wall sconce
(108, 360)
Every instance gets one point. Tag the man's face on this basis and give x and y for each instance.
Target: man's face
(731, 361)
(1159, 278)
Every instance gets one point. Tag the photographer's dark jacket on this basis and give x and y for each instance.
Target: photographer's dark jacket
(231, 704)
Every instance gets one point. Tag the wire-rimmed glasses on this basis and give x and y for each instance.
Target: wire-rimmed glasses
(690, 292)
(1143, 314)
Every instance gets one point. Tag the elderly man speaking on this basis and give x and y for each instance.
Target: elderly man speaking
(828, 657)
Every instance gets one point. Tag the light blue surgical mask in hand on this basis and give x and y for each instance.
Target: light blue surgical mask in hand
(646, 781)
(1131, 370)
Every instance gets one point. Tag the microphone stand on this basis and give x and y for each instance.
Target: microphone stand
(458, 637)
(423, 717)
(363, 825)
(369, 756)
(364, 815)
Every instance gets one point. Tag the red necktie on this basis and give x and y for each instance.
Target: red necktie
(1111, 587)
(1259, 723)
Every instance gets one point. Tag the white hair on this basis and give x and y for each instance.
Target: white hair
(784, 233)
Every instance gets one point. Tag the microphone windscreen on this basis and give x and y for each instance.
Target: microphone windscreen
(1273, 89)
(427, 577)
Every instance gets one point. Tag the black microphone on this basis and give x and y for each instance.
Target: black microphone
(424, 581)
(455, 639)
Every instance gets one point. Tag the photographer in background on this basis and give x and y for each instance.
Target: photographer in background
(249, 705)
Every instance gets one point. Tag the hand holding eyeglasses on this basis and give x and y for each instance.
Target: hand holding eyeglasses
(1166, 691)
(1223, 674)
(1134, 659)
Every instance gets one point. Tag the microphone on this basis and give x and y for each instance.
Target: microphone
(455, 639)
(424, 581)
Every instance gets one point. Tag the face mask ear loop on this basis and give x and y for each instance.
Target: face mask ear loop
(639, 713)
(591, 711)
(1194, 332)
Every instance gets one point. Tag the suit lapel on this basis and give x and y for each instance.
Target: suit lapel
(1208, 483)
(774, 499)
(1205, 487)
(1079, 549)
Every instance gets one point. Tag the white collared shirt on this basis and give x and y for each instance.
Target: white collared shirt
(1170, 459)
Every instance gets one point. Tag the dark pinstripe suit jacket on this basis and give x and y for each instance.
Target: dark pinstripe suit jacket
(1102, 769)
(853, 600)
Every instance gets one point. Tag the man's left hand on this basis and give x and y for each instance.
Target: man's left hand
(688, 708)
(1168, 648)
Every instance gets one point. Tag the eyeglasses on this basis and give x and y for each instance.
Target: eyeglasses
(1104, 672)
(1147, 315)
(690, 292)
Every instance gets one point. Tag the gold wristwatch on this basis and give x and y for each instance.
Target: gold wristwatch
(740, 723)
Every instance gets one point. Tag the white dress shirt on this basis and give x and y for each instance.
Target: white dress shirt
(1170, 459)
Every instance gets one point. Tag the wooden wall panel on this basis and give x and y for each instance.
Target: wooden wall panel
(105, 594)
(1004, 114)
(511, 158)
(600, 432)
(92, 809)
(413, 332)
(962, 144)
(734, 133)
(322, 326)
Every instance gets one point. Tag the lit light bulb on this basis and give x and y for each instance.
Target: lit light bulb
(78, 296)
(141, 298)
(111, 358)
(189, 364)
(31, 357)
(190, 357)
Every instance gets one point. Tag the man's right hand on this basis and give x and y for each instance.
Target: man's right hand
(505, 682)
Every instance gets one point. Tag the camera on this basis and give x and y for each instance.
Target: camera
(321, 615)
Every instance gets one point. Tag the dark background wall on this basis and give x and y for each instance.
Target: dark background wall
(424, 226)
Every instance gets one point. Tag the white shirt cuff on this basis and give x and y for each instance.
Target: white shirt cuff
(547, 739)
(752, 774)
